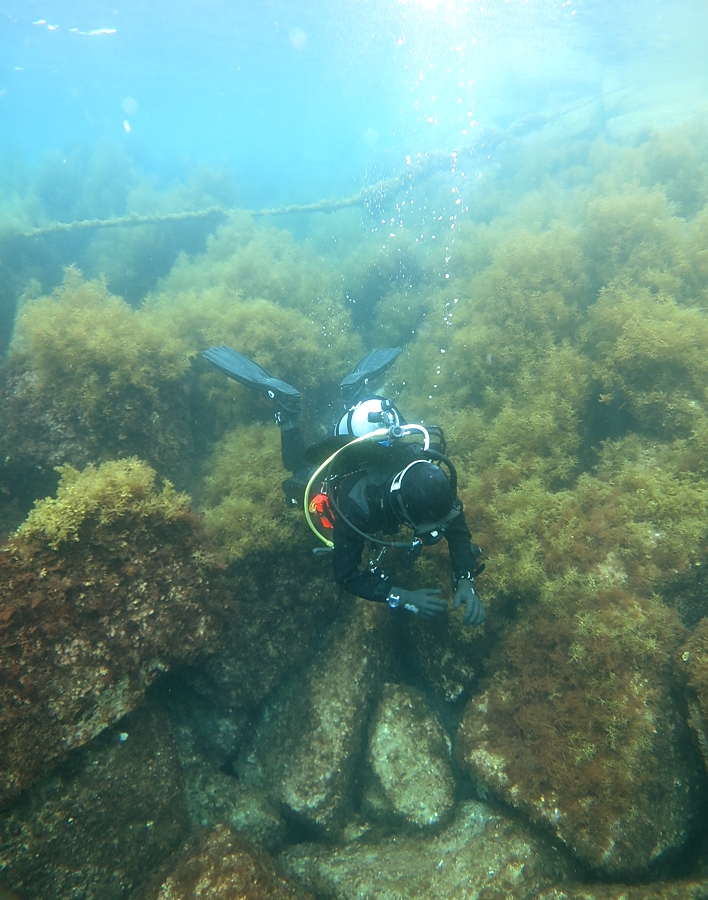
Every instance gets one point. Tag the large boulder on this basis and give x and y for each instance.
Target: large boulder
(40, 431)
(106, 819)
(447, 653)
(284, 611)
(218, 865)
(665, 890)
(217, 798)
(481, 854)
(311, 735)
(90, 379)
(103, 589)
(580, 730)
(409, 756)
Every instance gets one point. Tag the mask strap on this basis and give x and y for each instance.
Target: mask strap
(395, 489)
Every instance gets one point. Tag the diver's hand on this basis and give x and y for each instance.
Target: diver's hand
(425, 602)
(474, 611)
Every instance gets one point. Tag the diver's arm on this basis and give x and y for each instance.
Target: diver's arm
(464, 555)
(346, 559)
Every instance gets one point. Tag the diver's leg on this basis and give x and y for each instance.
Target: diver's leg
(286, 397)
(246, 372)
(369, 367)
(292, 445)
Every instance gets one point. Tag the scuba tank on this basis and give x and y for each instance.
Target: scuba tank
(367, 416)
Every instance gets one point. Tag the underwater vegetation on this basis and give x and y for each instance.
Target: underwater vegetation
(559, 335)
(74, 184)
(693, 670)
(578, 713)
(245, 512)
(90, 379)
(101, 495)
(84, 343)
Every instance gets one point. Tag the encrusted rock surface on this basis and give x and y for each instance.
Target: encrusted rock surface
(104, 821)
(311, 735)
(215, 798)
(39, 432)
(84, 630)
(476, 856)
(282, 617)
(447, 653)
(409, 755)
(204, 727)
(692, 663)
(580, 729)
(220, 866)
(676, 890)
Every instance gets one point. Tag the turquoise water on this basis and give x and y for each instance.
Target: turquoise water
(304, 100)
(108, 109)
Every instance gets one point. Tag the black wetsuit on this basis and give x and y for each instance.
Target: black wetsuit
(364, 502)
(363, 499)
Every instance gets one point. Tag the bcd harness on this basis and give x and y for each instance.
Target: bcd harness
(323, 504)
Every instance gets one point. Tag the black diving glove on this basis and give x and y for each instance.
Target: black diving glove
(474, 611)
(425, 602)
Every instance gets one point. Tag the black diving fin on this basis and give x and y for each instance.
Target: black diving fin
(369, 367)
(246, 372)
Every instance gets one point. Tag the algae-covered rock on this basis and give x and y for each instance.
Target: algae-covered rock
(692, 663)
(207, 724)
(447, 653)
(216, 798)
(242, 498)
(102, 589)
(649, 356)
(409, 755)
(219, 865)
(310, 739)
(580, 729)
(670, 890)
(282, 615)
(102, 823)
(91, 379)
(40, 431)
(479, 854)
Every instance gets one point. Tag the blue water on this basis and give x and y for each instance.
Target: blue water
(301, 100)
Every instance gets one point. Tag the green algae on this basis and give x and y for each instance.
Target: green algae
(282, 340)
(244, 510)
(650, 351)
(102, 495)
(566, 358)
(85, 346)
(261, 262)
(560, 342)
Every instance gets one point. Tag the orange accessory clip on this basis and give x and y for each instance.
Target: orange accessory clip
(320, 505)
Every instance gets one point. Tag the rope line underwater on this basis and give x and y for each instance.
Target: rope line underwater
(326, 206)
(423, 166)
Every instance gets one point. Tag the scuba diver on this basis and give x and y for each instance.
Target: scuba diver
(374, 475)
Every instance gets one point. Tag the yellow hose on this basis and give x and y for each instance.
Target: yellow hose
(372, 435)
